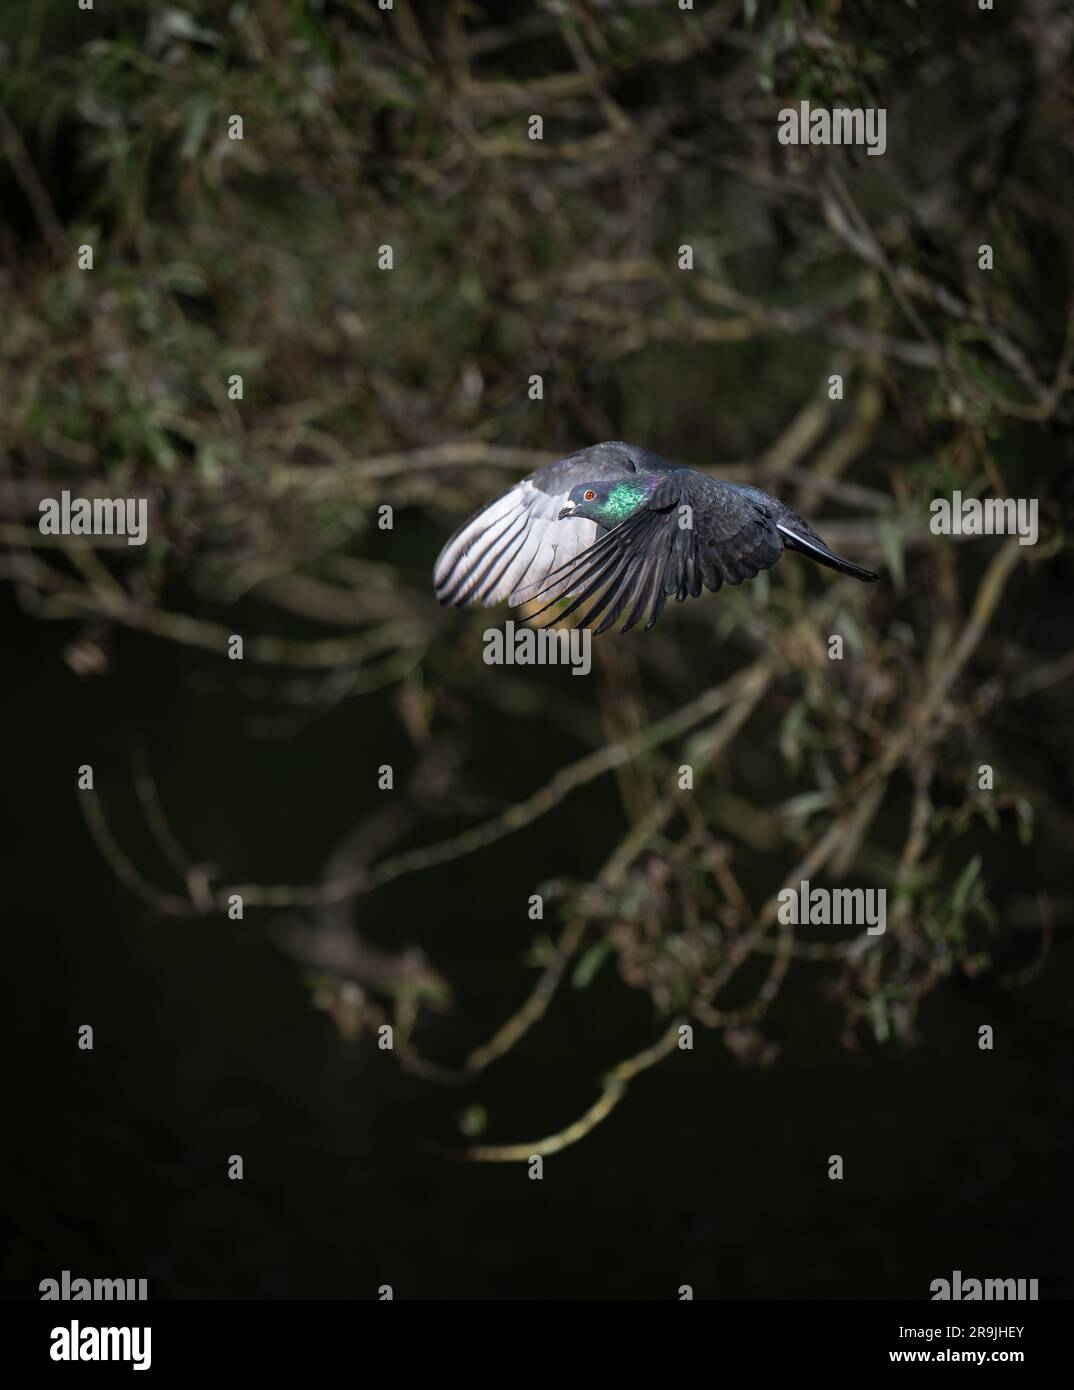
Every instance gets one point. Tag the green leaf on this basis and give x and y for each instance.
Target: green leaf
(966, 880)
(590, 963)
(803, 806)
(790, 733)
(891, 544)
(197, 124)
(542, 952)
(473, 1120)
(878, 1017)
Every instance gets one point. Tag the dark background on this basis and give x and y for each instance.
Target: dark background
(712, 1174)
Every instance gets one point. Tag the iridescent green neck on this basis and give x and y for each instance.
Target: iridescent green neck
(624, 499)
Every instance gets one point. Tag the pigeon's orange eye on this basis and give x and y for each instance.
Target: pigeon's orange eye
(589, 496)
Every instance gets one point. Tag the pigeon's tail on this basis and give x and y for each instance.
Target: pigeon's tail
(814, 547)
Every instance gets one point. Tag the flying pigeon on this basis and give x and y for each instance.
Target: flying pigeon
(623, 530)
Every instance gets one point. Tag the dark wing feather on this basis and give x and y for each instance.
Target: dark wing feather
(797, 534)
(733, 535)
(621, 566)
(506, 550)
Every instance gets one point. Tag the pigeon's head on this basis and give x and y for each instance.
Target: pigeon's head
(608, 503)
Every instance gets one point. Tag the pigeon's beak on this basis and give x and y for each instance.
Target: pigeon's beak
(567, 511)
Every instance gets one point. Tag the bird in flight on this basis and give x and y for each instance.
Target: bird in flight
(622, 530)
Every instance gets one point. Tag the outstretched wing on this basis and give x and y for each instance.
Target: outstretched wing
(695, 532)
(506, 550)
